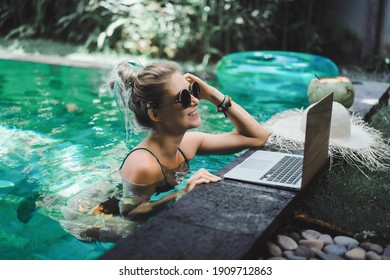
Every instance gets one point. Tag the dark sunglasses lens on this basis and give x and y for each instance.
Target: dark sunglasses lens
(185, 98)
(195, 89)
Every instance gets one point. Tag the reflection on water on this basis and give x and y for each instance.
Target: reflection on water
(61, 133)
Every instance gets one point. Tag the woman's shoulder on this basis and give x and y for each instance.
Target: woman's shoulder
(191, 142)
(141, 167)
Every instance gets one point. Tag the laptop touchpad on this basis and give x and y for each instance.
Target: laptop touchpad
(257, 164)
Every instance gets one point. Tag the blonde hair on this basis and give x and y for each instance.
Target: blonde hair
(137, 89)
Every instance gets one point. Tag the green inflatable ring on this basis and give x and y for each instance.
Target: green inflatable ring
(272, 72)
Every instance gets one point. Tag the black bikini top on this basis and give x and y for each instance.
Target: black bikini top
(167, 185)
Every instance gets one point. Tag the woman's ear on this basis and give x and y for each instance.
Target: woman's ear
(154, 115)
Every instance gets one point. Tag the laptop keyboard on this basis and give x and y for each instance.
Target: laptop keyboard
(288, 170)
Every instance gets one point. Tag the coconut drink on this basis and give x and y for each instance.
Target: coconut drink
(341, 87)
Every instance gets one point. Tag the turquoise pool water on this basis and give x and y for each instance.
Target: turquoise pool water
(61, 132)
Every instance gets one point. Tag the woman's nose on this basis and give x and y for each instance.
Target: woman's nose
(194, 100)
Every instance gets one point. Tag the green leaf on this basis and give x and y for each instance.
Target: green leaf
(100, 40)
(113, 26)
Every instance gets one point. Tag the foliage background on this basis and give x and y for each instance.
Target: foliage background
(177, 29)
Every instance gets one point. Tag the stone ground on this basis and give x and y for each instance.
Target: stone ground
(314, 245)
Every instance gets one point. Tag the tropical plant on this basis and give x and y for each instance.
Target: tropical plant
(180, 29)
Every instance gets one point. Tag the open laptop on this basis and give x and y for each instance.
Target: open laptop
(290, 171)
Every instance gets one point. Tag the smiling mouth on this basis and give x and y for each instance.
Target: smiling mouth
(193, 113)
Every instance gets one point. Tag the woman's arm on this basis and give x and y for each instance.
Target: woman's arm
(248, 132)
(147, 209)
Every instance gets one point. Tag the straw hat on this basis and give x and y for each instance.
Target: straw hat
(351, 138)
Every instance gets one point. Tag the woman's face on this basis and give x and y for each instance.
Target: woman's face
(173, 115)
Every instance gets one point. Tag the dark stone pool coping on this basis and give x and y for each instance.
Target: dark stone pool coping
(226, 220)
(215, 221)
(368, 97)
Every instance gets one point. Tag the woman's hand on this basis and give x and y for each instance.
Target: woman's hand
(248, 132)
(207, 92)
(202, 176)
(149, 208)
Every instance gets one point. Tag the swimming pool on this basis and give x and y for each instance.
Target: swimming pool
(61, 132)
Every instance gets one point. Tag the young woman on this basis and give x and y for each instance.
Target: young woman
(165, 101)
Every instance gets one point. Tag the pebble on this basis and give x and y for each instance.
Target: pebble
(335, 249)
(345, 240)
(356, 254)
(318, 244)
(291, 256)
(323, 256)
(352, 246)
(274, 249)
(326, 238)
(310, 234)
(368, 246)
(286, 242)
(386, 251)
(372, 256)
(313, 245)
(295, 235)
(304, 251)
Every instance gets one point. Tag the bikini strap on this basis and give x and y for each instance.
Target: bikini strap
(184, 156)
(162, 170)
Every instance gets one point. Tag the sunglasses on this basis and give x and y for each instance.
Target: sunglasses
(185, 95)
